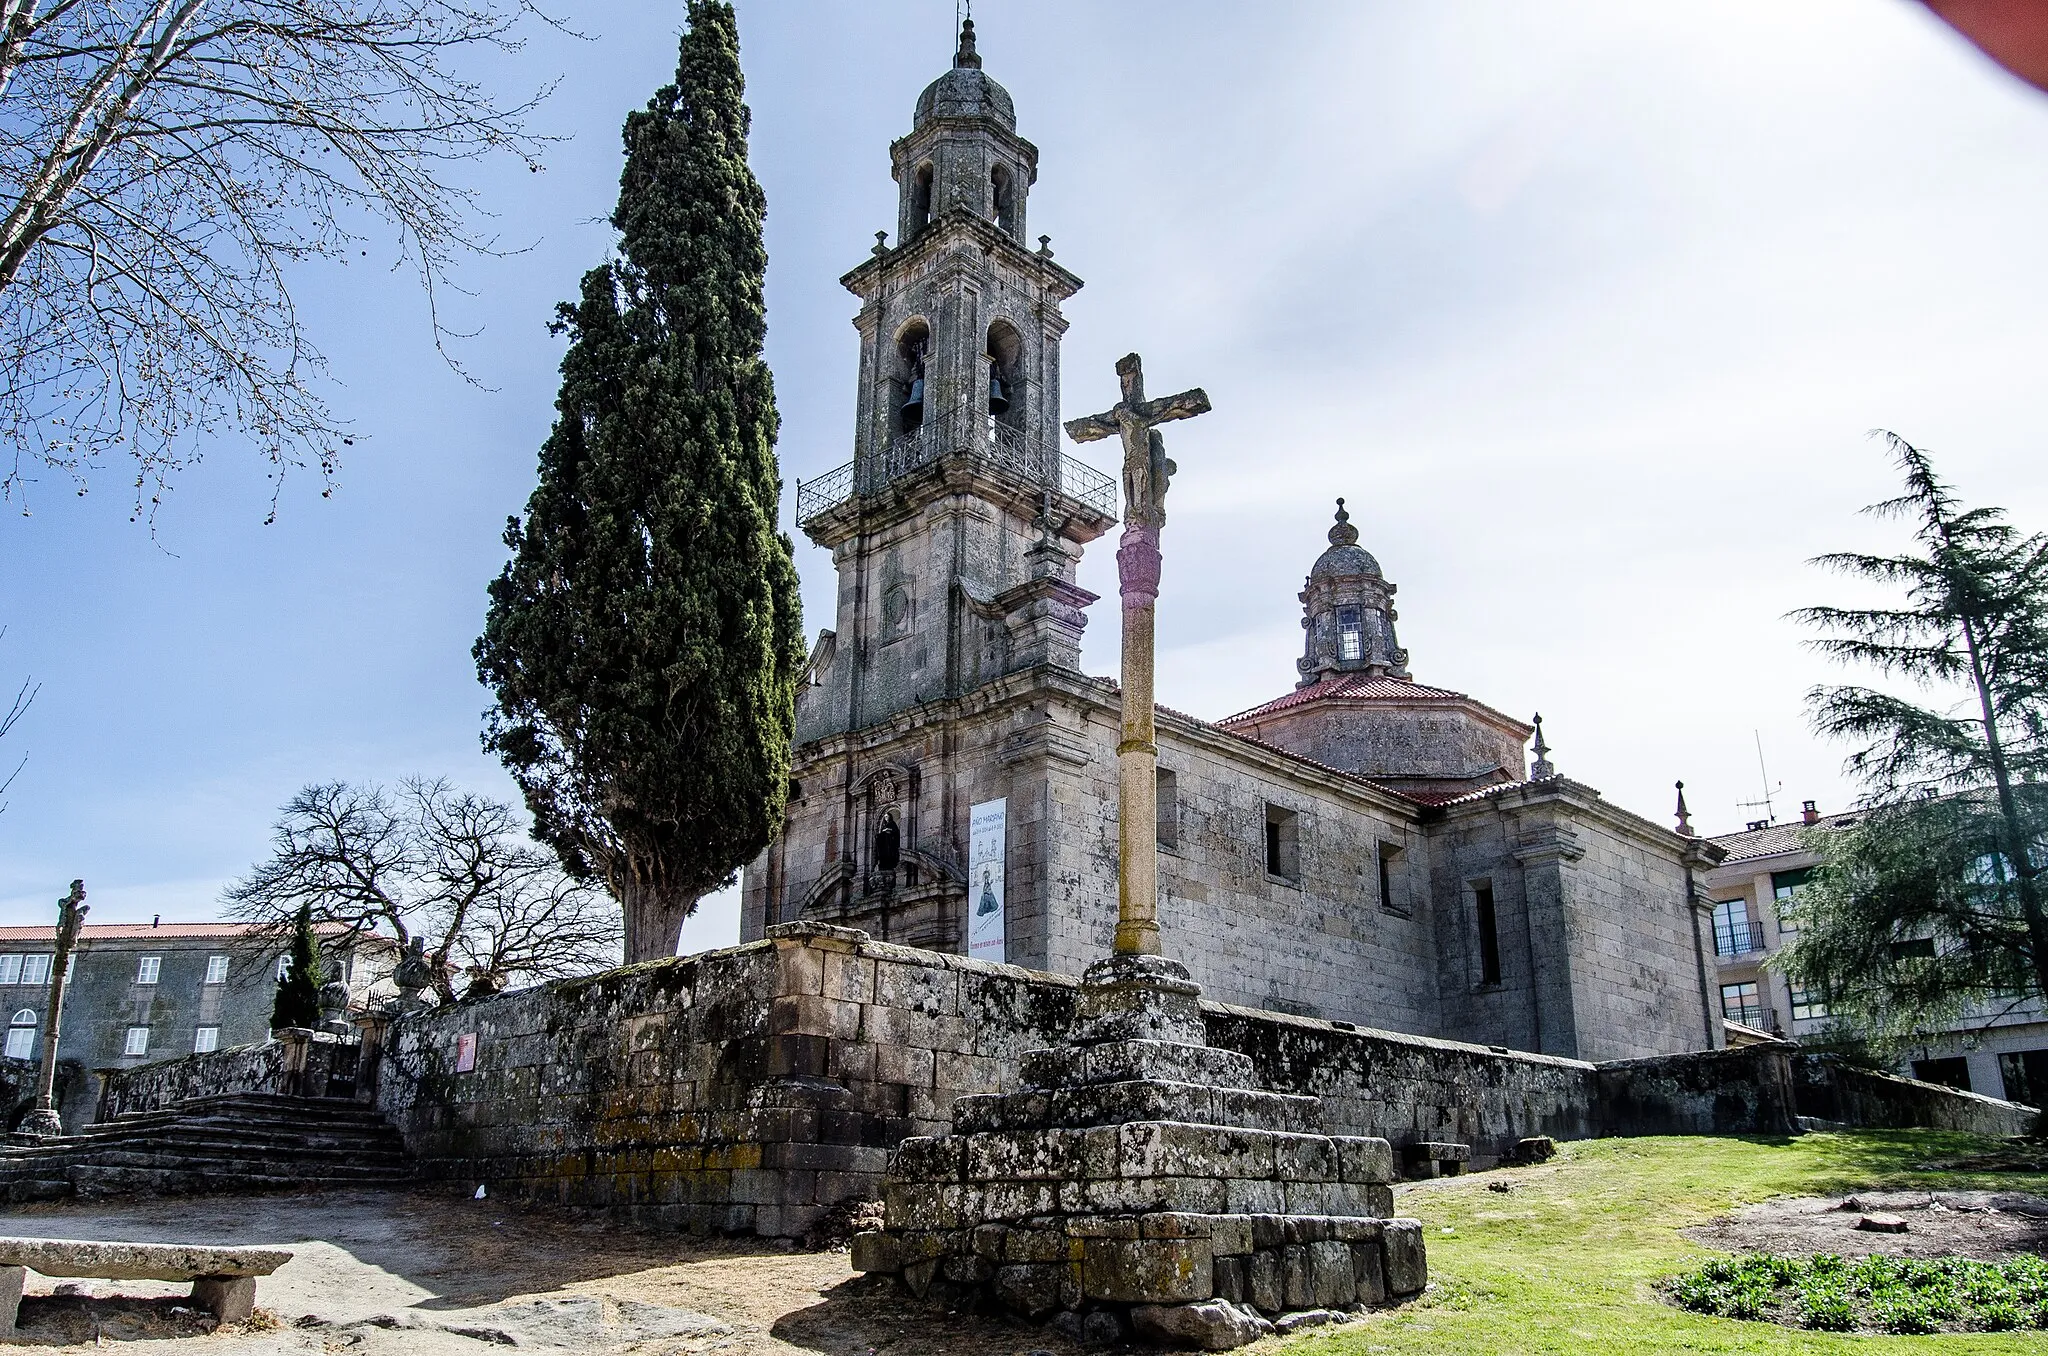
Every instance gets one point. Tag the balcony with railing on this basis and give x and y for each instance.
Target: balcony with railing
(999, 445)
(1738, 938)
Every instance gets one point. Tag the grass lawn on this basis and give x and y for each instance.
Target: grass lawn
(1567, 1262)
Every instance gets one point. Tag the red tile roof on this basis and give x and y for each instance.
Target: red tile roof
(125, 931)
(1776, 840)
(1352, 687)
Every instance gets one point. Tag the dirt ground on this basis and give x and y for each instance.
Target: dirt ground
(428, 1274)
(1986, 1225)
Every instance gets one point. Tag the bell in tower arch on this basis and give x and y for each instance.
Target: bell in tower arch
(998, 393)
(913, 407)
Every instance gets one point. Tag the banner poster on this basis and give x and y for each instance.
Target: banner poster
(987, 840)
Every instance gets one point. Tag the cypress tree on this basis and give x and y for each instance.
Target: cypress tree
(298, 993)
(645, 640)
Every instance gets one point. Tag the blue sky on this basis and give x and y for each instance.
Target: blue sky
(1585, 308)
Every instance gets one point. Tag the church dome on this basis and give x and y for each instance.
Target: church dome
(964, 92)
(1345, 559)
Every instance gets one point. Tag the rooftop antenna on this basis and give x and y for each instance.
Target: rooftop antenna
(1770, 811)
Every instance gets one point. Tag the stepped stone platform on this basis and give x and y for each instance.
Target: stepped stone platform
(240, 1142)
(1142, 1184)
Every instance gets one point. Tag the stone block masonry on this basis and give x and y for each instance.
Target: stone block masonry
(759, 1089)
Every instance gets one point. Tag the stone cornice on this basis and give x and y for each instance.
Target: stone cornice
(948, 231)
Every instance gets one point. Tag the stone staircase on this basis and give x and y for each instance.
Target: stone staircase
(239, 1142)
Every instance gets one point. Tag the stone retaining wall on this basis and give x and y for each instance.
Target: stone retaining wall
(1833, 1090)
(293, 1063)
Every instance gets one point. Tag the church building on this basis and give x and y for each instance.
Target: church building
(1364, 848)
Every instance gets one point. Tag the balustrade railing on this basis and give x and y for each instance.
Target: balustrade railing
(1012, 449)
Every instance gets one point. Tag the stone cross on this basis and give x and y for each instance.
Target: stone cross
(43, 1122)
(1147, 474)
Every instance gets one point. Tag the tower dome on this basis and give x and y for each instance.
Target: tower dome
(1348, 612)
(964, 92)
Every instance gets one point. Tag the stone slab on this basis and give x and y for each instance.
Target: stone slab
(137, 1261)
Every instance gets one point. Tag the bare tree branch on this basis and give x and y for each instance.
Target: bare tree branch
(164, 163)
(24, 697)
(430, 860)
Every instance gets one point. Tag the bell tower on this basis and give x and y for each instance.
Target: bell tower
(956, 527)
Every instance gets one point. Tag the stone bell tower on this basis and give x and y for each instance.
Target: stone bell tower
(956, 527)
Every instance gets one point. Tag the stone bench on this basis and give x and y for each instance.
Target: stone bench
(223, 1279)
(1430, 1159)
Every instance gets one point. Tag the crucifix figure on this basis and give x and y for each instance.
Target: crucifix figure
(1147, 473)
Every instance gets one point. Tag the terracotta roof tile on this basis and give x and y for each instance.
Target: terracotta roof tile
(1777, 839)
(126, 931)
(1354, 687)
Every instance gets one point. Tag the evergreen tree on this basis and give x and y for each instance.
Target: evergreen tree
(298, 993)
(645, 640)
(1931, 903)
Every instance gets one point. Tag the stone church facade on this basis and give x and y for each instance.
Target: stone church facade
(1364, 849)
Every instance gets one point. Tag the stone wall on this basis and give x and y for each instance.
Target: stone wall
(1831, 1090)
(299, 1064)
(1745, 1091)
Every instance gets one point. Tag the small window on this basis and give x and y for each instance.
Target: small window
(1283, 843)
(921, 199)
(35, 969)
(21, 1036)
(1350, 635)
(138, 1041)
(888, 843)
(1808, 1004)
(1389, 855)
(205, 1040)
(1489, 935)
(284, 967)
(2025, 1075)
(149, 969)
(216, 969)
(1168, 808)
(10, 969)
(1914, 948)
(1741, 1003)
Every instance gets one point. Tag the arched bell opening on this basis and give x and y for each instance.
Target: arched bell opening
(1005, 393)
(921, 199)
(1003, 199)
(907, 382)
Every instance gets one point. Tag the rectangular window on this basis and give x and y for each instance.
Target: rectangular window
(1489, 936)
(205, 1040)
(284, 967)
(216, 969)
(1740, 1003)
(147, 971)
(1283, 843)
(1168, 792)
(1808, 1004)
(10, 969)
(1953, 1072)
(1914, 948)
(1350, 636)
(1734, 934)
(138, 1041)
(2025, 1075)
(1389, 855)
(35, 969)
(21, 1042)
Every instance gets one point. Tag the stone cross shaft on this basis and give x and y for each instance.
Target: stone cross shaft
(1147, 474)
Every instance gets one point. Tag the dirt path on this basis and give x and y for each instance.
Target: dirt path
(427, 1274)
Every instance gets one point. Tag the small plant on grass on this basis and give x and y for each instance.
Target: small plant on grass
(1887, 1294)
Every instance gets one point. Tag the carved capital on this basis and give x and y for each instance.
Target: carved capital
(1138, 565)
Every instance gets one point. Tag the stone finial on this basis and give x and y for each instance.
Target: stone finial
(1542, 770)
(1684, 815)
(1045, 246)
(881, 242)
(967, 56)
(1343, 534)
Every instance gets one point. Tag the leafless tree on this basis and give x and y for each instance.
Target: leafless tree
(429, 860)
(16, 709)
(163, 163)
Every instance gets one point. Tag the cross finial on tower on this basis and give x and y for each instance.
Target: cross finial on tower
(967, 56)
(1684, 815)
(1542, 770)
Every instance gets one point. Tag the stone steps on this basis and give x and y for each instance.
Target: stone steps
(235, 1143)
